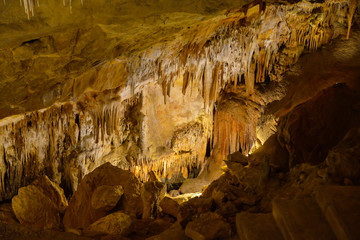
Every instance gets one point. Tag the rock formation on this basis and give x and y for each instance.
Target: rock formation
(40, 204)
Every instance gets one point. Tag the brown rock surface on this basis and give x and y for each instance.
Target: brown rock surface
(33, 208)
(330, 109)
(344, 159)
(106, 197)
(253, 176)
(208, 226)
(117, 223)
(175, 232)
(195, 206)
(53, 191)
(341, 208)
(170, 206)
(257, 226)
(300, 219)
(80, 212)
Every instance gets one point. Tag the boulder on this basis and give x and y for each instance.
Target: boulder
(53, 191)
(208, 226)
(39, 204)
(151, 194)
(170, 206)
(253, 176)
(193, 207)
(106, 197)
(80, 213)
(34, 209)
(117, 223)
(227, 188)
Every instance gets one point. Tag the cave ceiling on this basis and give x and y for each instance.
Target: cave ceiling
(45, 52)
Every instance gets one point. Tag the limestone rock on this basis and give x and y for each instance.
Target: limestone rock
(81, 213)
(344, 159)
(207, 227)
(106, 197)
(151, 194)
(170, 206)
(113, 224)
(53, 191)
(33, 208)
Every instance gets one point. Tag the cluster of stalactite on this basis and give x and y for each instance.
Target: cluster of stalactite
(235, 124)
(246, 47)
(29, 5)
(172, 165)
(187, 150)
(251, 45)
(64, 141)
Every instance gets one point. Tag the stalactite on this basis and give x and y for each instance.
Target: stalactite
(235, 125)
(30, 4)
(256, 44)
(352, 8)
(48, 141)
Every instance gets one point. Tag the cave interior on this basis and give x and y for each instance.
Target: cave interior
(181, 120)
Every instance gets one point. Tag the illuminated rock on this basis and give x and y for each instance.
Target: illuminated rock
(40, 204)
(53, 191)
(113, 224)
(106, 197)
(170, 206)
(80, 213)
(33, 208)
